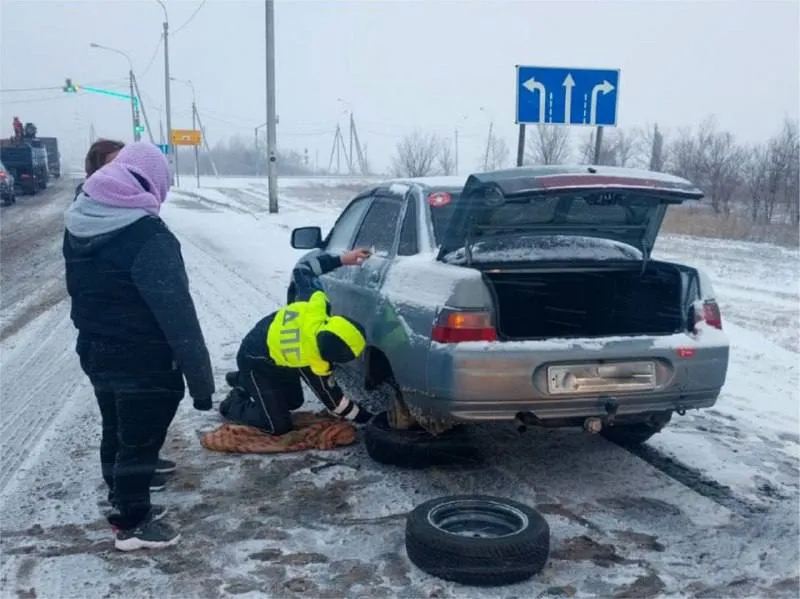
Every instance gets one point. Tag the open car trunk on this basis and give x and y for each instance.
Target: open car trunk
(600, 303)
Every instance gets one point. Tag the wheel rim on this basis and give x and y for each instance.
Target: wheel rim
(478, 519)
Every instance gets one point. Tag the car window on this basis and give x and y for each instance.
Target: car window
(441, 215)
(408, 233)
(345, 227)
(379, 226)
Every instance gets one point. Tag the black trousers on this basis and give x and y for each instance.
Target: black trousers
(137, 408)
(266, 394)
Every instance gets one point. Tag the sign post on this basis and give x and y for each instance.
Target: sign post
(184, 137)
(567, 96)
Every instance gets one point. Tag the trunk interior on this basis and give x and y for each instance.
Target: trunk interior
(589, 304)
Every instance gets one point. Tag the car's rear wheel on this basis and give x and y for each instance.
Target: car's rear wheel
(416, 447)
(477, 540)
(634, 434)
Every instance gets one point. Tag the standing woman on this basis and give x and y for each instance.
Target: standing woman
(100, 153)
(138, 333)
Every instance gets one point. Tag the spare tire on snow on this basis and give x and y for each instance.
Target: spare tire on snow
(416, 448)
(477, 540)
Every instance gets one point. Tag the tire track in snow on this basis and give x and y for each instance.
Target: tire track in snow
(40, 373)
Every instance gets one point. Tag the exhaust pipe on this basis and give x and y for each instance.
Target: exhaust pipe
(520, 425)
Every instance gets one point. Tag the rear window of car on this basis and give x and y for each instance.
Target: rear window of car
(571, 208)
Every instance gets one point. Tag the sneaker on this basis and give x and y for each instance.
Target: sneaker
(158, 482)
(150, 534)
(165, 466)
(157, 512)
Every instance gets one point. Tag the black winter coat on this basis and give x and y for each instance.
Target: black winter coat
(132, 306)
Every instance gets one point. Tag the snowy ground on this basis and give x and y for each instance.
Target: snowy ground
(710, 509)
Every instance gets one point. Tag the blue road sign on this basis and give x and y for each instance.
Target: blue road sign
(560, 96)
(164, 148)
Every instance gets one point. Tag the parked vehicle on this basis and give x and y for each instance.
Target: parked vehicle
(27, 162)
(53, 155)
(7, 194)
(527, 295)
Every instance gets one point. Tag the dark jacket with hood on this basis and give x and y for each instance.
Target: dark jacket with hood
(130, 295)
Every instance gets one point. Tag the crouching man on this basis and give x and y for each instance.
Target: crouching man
(300, 341)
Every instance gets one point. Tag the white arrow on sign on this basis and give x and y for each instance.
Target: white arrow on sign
(605, 88)
(568, 84)
(533, 86)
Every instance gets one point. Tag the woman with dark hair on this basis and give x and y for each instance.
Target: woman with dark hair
(138, 333)
(100, 153)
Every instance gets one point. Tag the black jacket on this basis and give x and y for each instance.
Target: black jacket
(131, 303)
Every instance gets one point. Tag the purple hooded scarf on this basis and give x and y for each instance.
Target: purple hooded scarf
(115, 185)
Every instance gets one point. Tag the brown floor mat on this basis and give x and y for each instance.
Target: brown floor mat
(311, 431)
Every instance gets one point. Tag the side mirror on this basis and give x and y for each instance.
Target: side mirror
(306, 238)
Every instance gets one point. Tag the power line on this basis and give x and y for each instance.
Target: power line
(189, 20)
(57, 87)
(152, 58)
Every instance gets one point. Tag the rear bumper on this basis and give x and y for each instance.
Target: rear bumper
(497, 381)
(558, 409)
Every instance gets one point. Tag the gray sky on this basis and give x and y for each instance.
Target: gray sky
(400, 64)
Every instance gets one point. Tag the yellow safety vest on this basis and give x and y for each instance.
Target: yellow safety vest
(292, 336)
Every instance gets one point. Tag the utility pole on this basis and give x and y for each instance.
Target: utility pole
(456, 140)
(171, 150)
(197, 146)
(272, 166)
(488, 144)
(205, 144)
(132, 83)
(350, 153)
(134, 115)
(144, 112)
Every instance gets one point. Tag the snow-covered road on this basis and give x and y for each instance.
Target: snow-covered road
(711, 509)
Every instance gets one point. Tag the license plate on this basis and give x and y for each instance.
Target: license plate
(615, 377)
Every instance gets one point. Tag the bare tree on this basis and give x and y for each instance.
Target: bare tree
(415, 155)
(755, 174)
(445, 158)
(550, 144)
(607, 154)
(785, 152)
(720, 160)
(497, 153)
(685, 158)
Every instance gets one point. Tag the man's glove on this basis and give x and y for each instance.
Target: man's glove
(202, 403)
(363, 416)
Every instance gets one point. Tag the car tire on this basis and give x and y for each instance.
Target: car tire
(439, 540)
(416, 448)
(635, 433)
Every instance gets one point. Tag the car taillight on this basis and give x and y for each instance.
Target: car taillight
(708, 311)
(2, 175)
(454, 326)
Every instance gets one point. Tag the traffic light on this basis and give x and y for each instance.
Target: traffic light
(139, 128)
(69, 87)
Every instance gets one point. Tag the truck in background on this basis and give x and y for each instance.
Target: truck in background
(27, 163)
(25, 156)
(53, 155)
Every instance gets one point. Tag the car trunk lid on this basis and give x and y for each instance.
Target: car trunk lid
(621, 205)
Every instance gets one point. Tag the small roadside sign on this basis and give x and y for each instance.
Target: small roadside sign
(186, 137)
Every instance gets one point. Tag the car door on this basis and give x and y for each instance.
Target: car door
(339, 282)
(378, 232)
